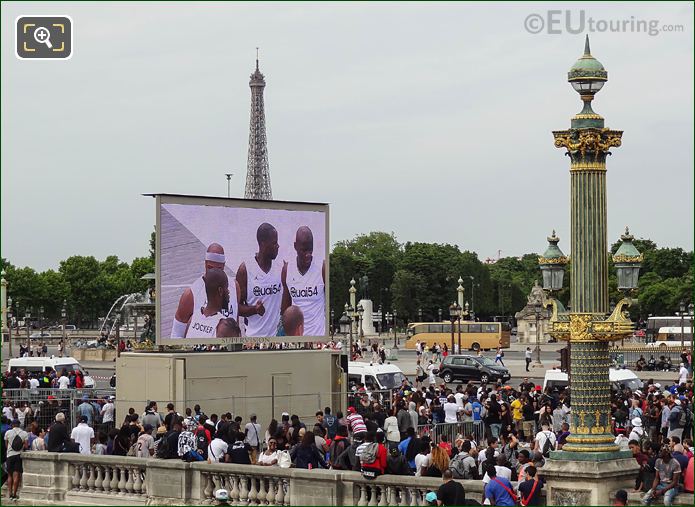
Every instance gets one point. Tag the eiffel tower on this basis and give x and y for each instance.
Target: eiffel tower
(257, 169)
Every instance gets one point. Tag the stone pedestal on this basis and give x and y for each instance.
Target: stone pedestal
(367, 318)
(583, 482)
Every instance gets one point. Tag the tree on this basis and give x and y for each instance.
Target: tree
(83, 276)
(407, 289)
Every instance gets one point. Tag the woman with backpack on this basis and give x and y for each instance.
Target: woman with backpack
(306, 455)
(373, 459)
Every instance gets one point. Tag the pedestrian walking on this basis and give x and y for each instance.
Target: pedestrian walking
(527, 356)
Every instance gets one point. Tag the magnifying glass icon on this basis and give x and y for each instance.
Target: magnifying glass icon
(43, 36)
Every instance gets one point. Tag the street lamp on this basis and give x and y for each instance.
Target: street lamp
(349, 311)
(360, 313)
(229, 183)
(27, 318)
(332, 323)
(419, 314)
(439, 312)
(63, 316)
(627, 261)
(552, 264)
(40, 318)
(473, 285)
(691, 311)
(9, 322)
(537, 309)
(682, 314)
(454, 315)
(395, 333)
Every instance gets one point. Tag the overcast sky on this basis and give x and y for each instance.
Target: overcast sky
(429, 120)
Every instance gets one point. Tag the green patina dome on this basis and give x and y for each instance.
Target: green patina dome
(627, 251)
(553, 254)
(587, 67)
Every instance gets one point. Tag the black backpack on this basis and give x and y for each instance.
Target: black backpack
(17, 443)
(163, 447)
(201, 443)
(547, 446)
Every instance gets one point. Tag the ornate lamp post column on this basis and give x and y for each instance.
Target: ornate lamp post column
(459, 291)
(395, 333)
(63, 318)
(353, 302)
(590, 464)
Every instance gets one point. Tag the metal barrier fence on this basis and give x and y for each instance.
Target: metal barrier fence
(628, 357)
(46, 403)
(453, 431)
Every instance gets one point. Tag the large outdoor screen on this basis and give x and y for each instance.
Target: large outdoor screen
(237, 270)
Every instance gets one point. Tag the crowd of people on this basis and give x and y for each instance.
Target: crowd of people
(498, 434)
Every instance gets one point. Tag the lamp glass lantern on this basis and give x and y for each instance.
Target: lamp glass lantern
(360, 310)
(627, 262)
(552, 264)
(691, 309)
(344, 324)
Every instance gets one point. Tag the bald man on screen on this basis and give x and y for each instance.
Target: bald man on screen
(195, 296)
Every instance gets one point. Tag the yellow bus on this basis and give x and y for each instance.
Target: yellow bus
(474, 335)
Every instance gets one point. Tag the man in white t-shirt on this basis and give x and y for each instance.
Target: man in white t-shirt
(34, 382)
(682, 374)
(451, 409)
(253, 432)
(145, 443)
(502, 471)
(542, 436)
(107, 413)
(217, 449)
(422, 459)
(63, 382)
(83, 434)
(460, 396)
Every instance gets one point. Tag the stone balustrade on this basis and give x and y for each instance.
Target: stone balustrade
(74, 479)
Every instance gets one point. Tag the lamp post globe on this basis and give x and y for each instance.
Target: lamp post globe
(552, 264)
(628, 261)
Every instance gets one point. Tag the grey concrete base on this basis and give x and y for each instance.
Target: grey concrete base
(571, 482)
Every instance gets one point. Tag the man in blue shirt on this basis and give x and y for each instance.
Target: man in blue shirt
(499, 490)
(85, 409)
(477, 408)
(403, 447)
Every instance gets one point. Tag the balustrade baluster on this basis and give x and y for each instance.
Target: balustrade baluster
(280, 495)
(270, 494)
(243, 490)
(371, 490)
(129, 481)
(392, 496)
(383, 497)
(414, 497)
(262, 491)
(234, 492)
(98, 482)
(363, 495)
(106, 483)
(92, 476)
(121, 480)
(137, 483)
(114, 479)
(207, 488)
(83, 477)
(253, 491)
(76, 477)
(404, 496)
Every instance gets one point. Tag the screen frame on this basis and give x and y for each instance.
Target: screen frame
(231, 202)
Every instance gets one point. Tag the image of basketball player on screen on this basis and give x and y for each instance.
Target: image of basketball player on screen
(261, 285)
(194, 297)
(211, 320)
(304, 283)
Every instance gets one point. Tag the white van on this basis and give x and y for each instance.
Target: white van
(374, 376)
(618, 377)
(43, 364)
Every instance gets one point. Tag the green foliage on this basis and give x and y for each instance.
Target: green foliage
(407, 277)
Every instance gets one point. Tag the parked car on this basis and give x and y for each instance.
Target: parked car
(465, 368)
(40, 335)
(617, 377)
(46, 364)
